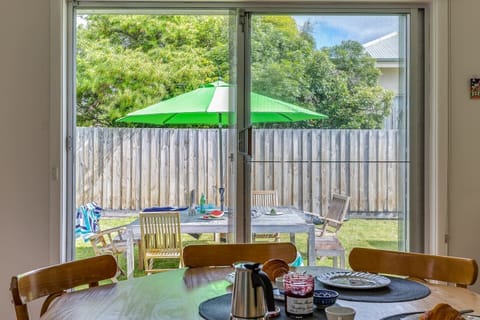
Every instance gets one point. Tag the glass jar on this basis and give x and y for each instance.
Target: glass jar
(298, 295)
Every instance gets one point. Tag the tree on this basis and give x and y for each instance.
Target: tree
(127, 62)
(344, 85)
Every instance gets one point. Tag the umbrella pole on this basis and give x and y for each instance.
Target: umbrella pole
(221, 190)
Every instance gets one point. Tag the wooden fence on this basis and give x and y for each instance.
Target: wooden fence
(130, 169)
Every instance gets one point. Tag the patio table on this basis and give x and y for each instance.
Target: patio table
(290, 221)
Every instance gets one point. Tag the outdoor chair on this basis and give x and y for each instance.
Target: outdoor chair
(460, 271)
(160, 238)
(114, 241)
(53, 281)
(203, 255)
(327, 243)
(265, 198)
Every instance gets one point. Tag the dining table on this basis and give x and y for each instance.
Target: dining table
(287, 219)
(180, 293)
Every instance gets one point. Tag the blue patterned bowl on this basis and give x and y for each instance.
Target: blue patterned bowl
(323, 298)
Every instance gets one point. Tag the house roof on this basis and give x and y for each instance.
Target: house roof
(384, 48)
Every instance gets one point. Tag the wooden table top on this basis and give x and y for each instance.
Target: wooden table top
(177, 294)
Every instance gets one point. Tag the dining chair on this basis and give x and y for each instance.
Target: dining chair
(112, 241)
(327, 243)
(53, 281)
(265, 198)
(160, 238)
(203, 255)
(459, 271)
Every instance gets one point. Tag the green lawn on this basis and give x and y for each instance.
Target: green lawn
(381, 234)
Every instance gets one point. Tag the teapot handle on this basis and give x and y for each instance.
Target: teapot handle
(260, 279)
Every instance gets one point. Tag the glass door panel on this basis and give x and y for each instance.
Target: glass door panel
(353, 70)
(175, 69)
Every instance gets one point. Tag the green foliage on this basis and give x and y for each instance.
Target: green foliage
(127, 62)
(352, 98)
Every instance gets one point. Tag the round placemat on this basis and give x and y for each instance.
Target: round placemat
(397, 291)
(219, 308)
(401, 316)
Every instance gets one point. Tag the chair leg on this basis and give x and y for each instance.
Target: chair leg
(122, 272)
(292, 237)
(342, 261)
(141, 262)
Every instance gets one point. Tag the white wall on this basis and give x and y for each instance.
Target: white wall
(24, 140)
(25, 137)
(389, 79)
(464, 113)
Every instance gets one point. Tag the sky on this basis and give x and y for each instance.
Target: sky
(332, 30)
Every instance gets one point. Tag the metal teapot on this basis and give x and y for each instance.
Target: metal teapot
(252, 296)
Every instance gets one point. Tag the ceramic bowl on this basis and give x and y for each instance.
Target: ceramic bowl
(340, 313)
(323, 298)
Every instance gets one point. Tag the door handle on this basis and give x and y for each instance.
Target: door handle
(245, 142)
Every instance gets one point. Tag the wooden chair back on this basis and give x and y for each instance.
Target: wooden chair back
(52, 281)
(160, 237)
(459, 271)
(228, 254)
(337, 210)
(111, 241)
(264, 198)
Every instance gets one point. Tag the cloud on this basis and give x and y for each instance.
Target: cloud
(330, 30)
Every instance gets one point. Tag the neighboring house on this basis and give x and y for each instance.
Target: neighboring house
(386, 52)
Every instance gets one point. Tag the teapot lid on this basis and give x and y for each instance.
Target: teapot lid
(247, 265)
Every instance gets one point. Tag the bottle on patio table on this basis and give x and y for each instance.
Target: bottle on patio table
(202, 203)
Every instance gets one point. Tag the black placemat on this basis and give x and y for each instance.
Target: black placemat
(398, 290)
(219, 308)
(400, 316)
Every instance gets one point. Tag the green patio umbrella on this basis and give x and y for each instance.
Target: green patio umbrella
(209, 105)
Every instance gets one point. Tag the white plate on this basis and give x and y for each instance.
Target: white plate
(353, 280)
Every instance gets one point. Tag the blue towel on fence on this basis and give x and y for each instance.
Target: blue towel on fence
(86, 220)
(161, 209)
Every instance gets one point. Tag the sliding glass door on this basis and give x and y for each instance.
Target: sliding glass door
(340, 84)
(311, 105)
(177, 70)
